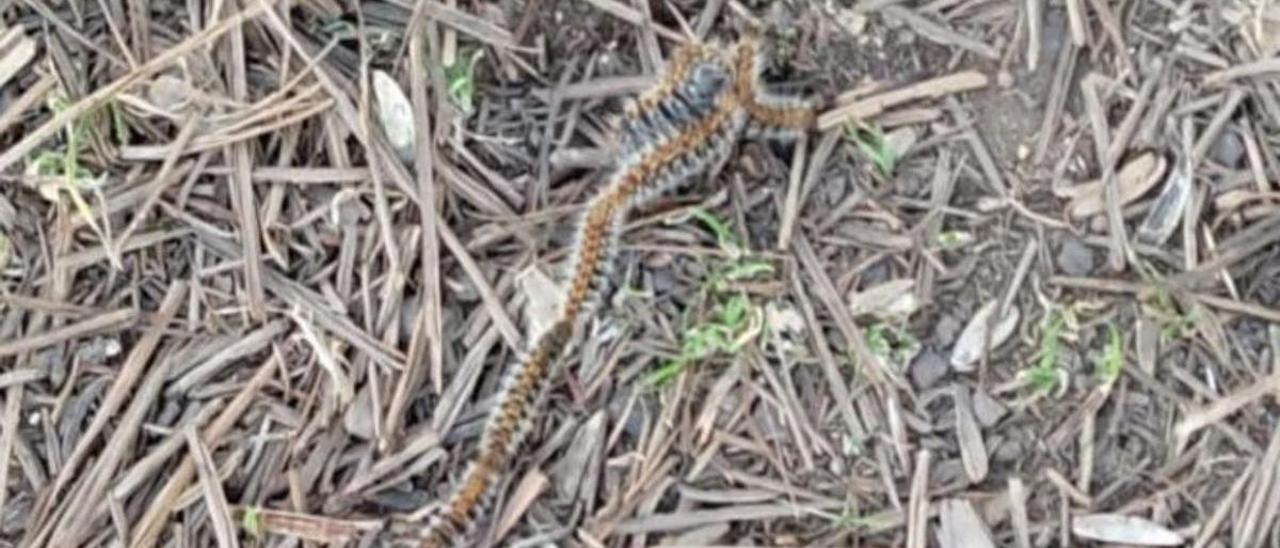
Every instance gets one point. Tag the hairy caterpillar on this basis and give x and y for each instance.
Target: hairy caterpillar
(771, 116)
(706, 98)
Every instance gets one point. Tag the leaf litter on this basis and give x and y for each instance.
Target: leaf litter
(234, 311)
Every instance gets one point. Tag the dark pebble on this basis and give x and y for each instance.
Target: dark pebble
(928, 368)
(1075, 258)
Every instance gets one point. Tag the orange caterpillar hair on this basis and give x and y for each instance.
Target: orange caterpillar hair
(668, 158)
(771, 116)
(687, 122)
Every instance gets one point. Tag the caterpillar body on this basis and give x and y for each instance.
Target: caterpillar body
(706, 99)
(771, 116)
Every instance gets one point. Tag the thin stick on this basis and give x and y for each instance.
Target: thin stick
(876, 104)
(77, 330)
(791, 206)
(1075, 16)
(1035, 22)
(1118, 235)
(215, 500)
(163, 179)
(918, 507)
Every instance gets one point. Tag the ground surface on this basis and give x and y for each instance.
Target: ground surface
(225, 317)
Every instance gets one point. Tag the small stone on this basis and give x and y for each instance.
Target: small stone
(876, 274)
(1004, 79)
(358, 418)
(927, 370)
(1075, 258)
(399, 498)
(988, 410)
(661, 281)
(946, 330)
(169, 92)
(1007, 450)
(948, 472)
(1228, 149)
(659, 261)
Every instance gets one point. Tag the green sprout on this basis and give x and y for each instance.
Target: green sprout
(1045, 376)
(742, 270)
(1174, 323)
(850, 521)
(727, 331)
(952, 239)
(893, 344)
(460, 77)
(741, 267)
(734, 320)
(1112, 363)
(74, 178)
(724, 236)
(252, 521)
(871, 140)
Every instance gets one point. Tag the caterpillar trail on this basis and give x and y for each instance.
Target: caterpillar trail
(706, 99)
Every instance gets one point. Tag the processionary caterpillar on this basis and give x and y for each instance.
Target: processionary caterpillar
(707, 97)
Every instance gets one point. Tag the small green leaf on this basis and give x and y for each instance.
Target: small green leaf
(1044, 381)
(952, 239)
(871, 141)
(48, 163)
(664, 374)
(746, 270)
(252, 522)
(735, 311)
(1045, 375)
(877, 341)
(460, 78)
(1113, 359)
(724, 236)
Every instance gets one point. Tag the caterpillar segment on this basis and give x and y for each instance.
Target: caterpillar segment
(508, 424)
(682, 103)
(770, 116)
(674, 75)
